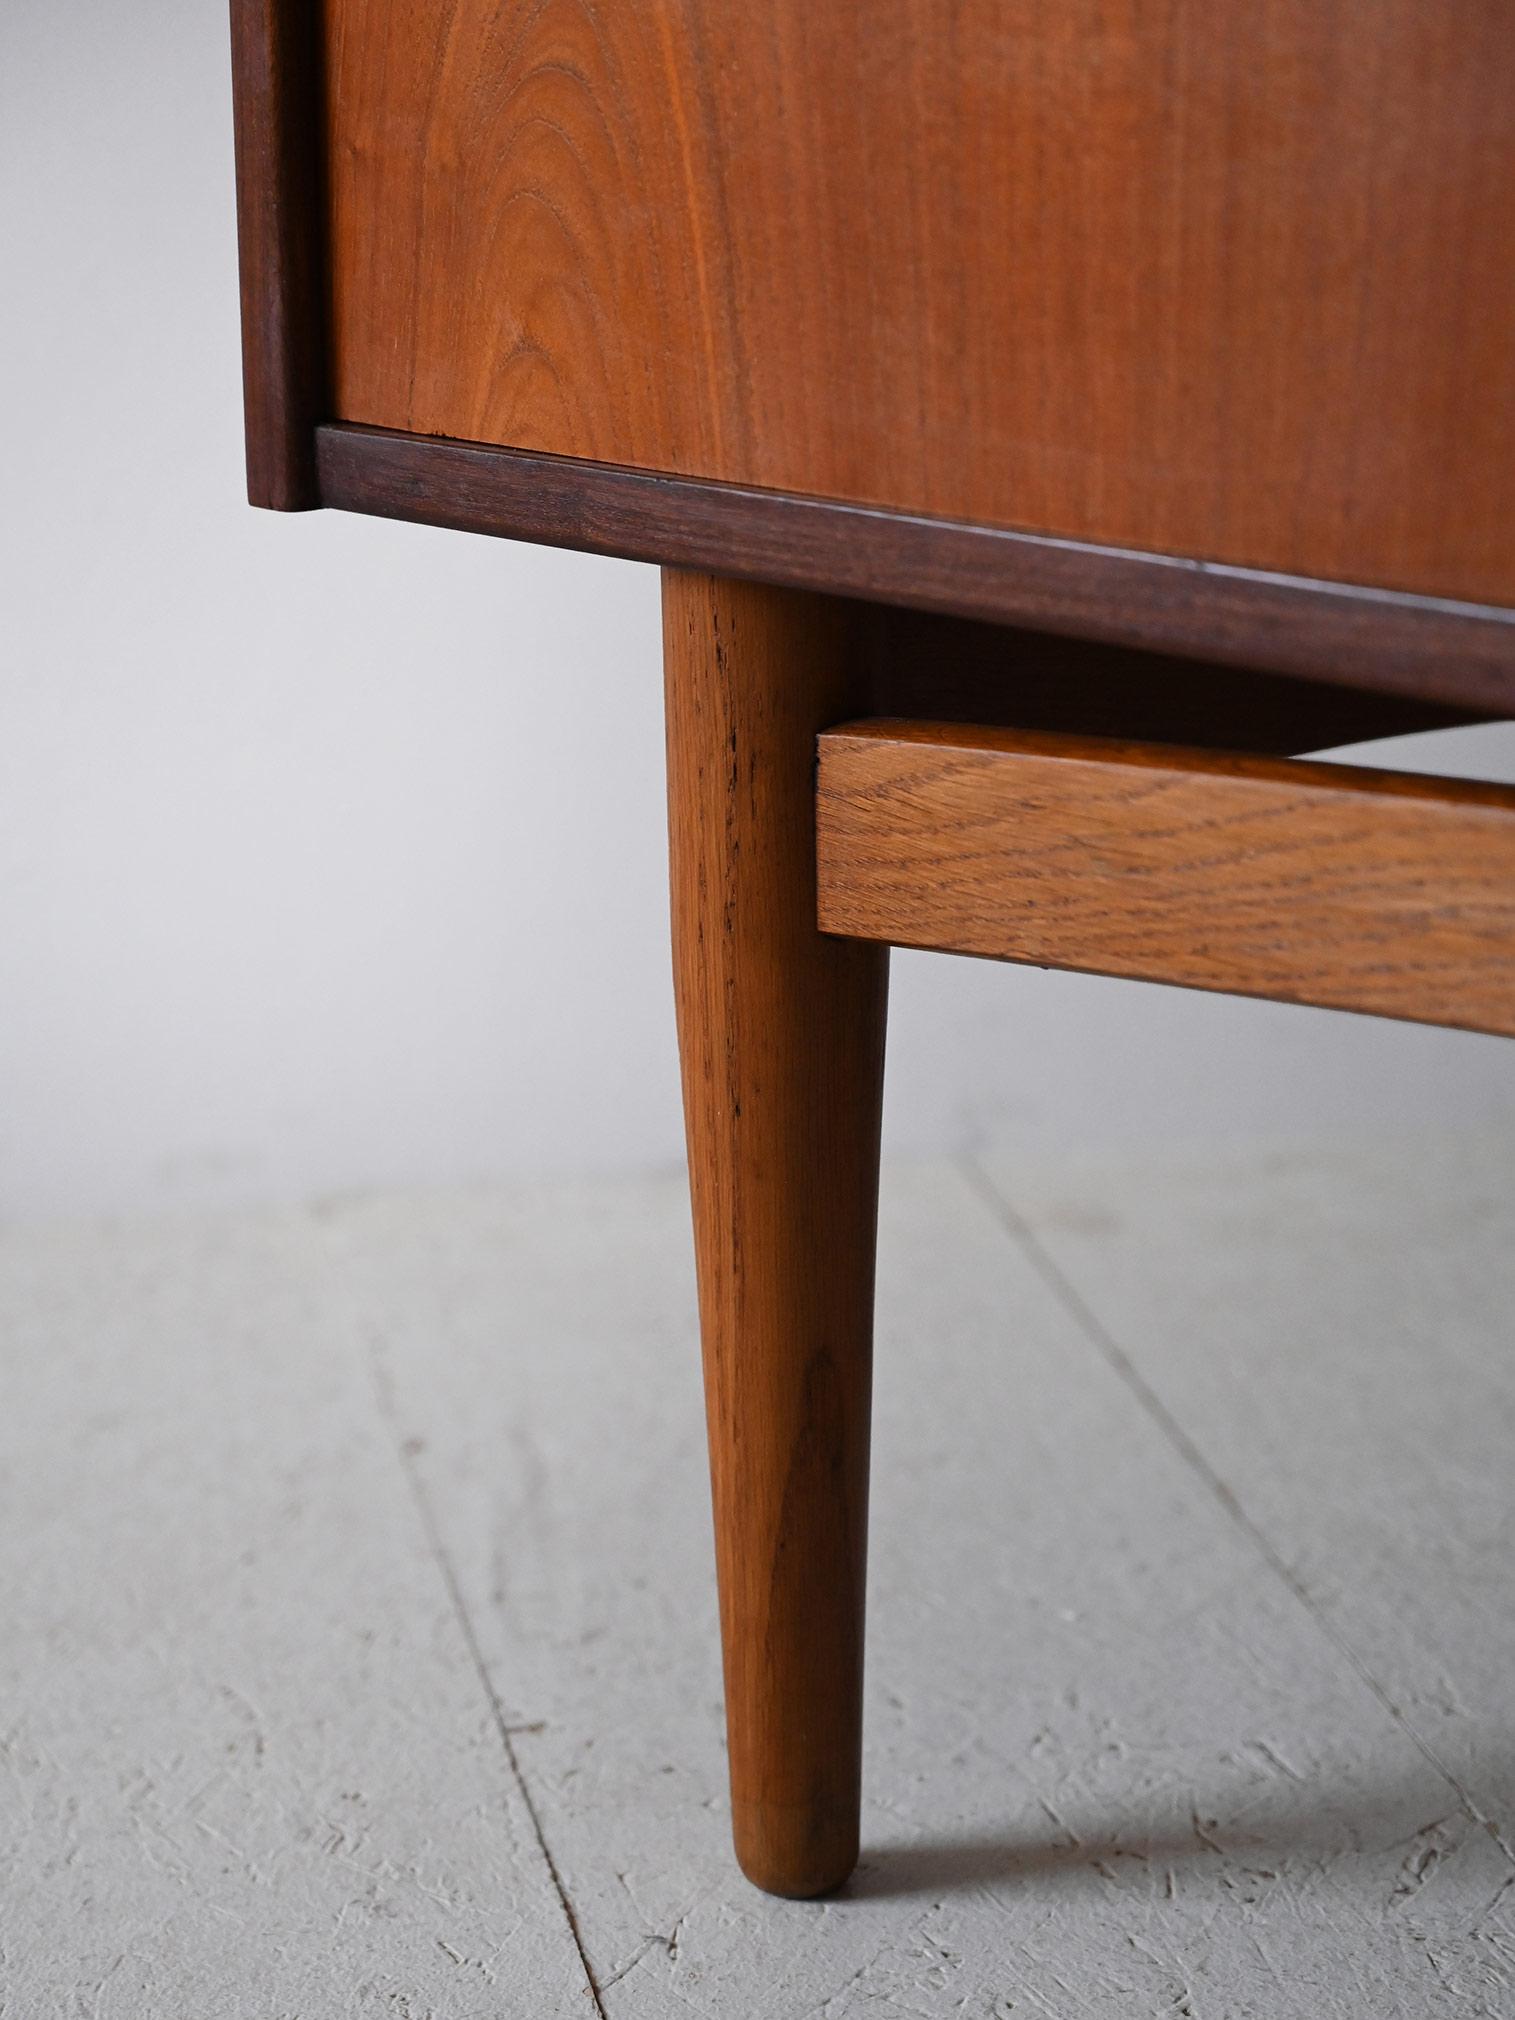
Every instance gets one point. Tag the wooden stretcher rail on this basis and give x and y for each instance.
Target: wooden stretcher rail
(1311, 883)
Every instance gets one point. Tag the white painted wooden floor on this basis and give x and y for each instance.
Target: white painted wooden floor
(359, 1649)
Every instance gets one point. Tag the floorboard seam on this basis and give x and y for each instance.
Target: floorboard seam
(1125, 1369)
(385, 1402)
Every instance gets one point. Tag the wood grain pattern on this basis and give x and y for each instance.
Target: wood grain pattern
(1313, 883)
(1217, 279)
(1376, 639)
(781, 1035)
(276, 116)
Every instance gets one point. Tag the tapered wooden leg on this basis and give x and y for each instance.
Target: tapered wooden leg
(781, 1033)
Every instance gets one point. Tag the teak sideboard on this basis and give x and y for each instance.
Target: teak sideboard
(1052, 417)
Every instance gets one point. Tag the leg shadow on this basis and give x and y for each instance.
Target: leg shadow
(1252, 1829)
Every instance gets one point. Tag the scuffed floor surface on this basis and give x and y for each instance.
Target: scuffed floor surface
(359, 1650)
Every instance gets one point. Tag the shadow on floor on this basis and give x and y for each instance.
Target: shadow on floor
(1422, 1820)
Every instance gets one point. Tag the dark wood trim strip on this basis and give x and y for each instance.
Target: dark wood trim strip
(1385, 892)
(275, 104)
(1383, 639)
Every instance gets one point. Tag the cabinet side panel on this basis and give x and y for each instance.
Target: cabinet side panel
(276, 48)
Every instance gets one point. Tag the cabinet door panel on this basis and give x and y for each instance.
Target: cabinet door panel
(1229, 278)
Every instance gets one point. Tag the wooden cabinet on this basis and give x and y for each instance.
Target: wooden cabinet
(1068, 368)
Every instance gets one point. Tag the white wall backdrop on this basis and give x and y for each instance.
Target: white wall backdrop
(331, 851)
